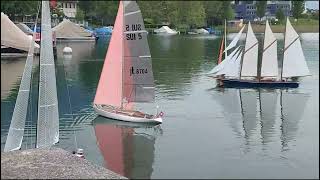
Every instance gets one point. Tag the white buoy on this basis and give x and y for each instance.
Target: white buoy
(67, 50)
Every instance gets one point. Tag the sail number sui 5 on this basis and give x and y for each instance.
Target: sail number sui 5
(132, 36)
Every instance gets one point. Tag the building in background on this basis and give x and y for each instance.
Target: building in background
(69, 8)
(247, 9)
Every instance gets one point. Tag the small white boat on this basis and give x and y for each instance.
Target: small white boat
(127, 76)
(126, 115)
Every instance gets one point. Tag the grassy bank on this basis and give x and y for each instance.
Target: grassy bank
(301, 26)
(279, 28)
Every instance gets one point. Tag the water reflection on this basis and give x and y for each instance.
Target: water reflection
(127, 148)
(292, 108)
(271, 109)
(74, 83)
(11, 72)
(268, 105)
(181, 63)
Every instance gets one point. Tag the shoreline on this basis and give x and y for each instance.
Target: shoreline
(51, 163)
(278, 29)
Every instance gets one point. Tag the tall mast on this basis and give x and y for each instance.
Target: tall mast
(244, 51)
(284, 44)
(225, 36)
(260, 65)
(122, 54)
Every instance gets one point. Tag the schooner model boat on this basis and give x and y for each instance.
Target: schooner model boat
(48, 114)
(127, 76)
(248, 74)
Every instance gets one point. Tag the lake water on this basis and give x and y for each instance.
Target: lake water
(207, 132)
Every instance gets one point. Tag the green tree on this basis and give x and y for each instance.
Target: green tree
(227, 10)
(153, 11)
(280, 15)
(218, 11)
(20, 8)
(297, 8)
(80, 15)
(261, 8)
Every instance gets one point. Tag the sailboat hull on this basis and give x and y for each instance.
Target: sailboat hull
(236, 83)
(123, 117)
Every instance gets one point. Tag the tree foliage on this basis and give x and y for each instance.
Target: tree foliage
(80, 15)
(280, 15)
(297, 8)
(188, 14)
(20, 8)
(261, 8)
(218, 11)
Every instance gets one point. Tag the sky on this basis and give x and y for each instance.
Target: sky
(312, 4)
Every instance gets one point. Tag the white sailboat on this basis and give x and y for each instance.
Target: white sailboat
(48, 115)
(217, 71)
(17, 125)
(293, 66)
(127, 76)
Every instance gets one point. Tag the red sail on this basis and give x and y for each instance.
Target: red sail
(109, 89)
(221, 50)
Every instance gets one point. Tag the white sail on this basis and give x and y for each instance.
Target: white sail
(250, 57)
(138, 81)
(220, 66)
(269, 66)
(234, 70)
(229, 68)
(294, 63)
(16, 130)
(235, 40)
(48, 115)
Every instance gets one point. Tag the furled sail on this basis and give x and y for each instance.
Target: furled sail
(294, 63)
(48, 115)
(220, 66)
(220, 51)
(16, 130)
(235, 40)
(269, 66)
(250, 57)
(138, 82)
(109, 90)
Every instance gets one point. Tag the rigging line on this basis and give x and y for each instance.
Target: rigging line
(31, 107)
(69, 101)
(29, 123)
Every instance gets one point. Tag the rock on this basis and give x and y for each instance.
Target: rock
(51, 163)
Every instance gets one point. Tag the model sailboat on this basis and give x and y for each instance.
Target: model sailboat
(293, 65)
(48, 115)
(127, 76)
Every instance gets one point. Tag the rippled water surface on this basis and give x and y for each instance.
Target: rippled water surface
(207, 132)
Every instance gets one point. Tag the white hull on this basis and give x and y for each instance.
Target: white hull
(123, 117)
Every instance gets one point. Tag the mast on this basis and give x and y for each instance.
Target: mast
(260, 65)
(225, 36)
(284, 44)
(244, 51)
(122, 54)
